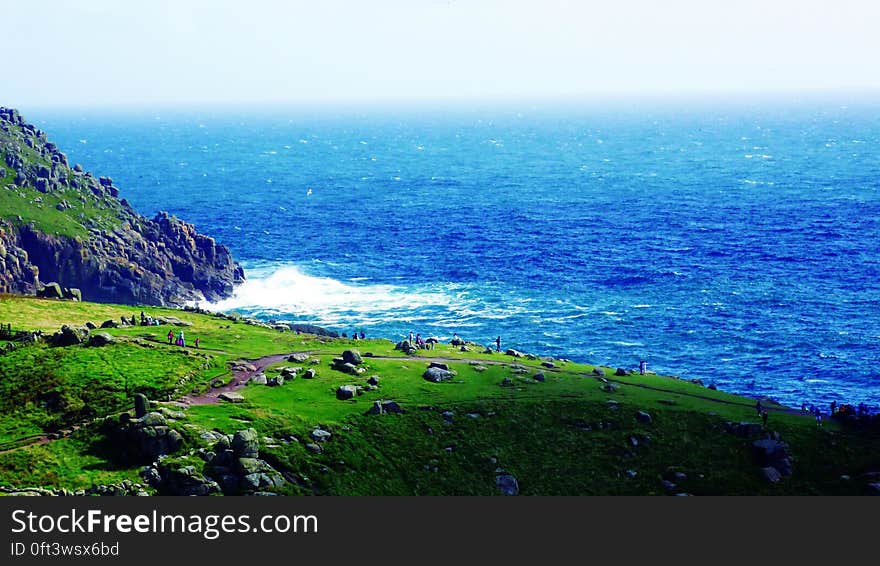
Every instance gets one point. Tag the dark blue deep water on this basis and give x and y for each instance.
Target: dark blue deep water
(736, 243)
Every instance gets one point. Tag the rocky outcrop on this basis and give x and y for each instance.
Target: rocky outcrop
(90, 239)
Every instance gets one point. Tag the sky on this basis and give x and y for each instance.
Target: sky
(112, 52)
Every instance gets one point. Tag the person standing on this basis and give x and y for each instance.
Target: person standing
(498, 344)
(181, 339)
(170, 336)
(197, 342)
(643, 367)
(764, 415)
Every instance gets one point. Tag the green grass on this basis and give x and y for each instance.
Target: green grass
(40, 208)
(534, 430)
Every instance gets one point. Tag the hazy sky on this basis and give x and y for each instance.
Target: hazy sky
(97, 52)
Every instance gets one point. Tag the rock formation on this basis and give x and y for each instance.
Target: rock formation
(63, 227)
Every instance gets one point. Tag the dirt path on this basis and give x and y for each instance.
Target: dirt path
(239, 379)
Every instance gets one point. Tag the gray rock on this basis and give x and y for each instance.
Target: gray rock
(599, 372)
(299, 357)
(259, 379)
(320, 435)
(549, 365)
(310, 374)
(230, 397)
(352, 357)
(141, 403)
(621, 372)
(346, 392)
(314, 448)
(373, 380)
(437, 375)
(439, 365)
(514, 353)
(540, 376)
(246, 444)
(101, 339)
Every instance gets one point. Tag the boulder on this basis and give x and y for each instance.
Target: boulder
(231, 397)
(141, 403)
(68, 336)
(299, 357)
(549, 365)
(246, 444)
(540, 376)
(373, 380)
(310, 374)
(644, 417)
(314, 448)
(439, 365)
(100, 339)
(276, 381)
(514, 353)
(110, 324)
(346, 392)
(320, 435)
(187, 481)
(352, 357)
(599, 372)
(51, 291)
(259, 379)
(437, 375)
(90, 325)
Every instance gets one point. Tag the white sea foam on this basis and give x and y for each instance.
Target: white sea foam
(290, 290)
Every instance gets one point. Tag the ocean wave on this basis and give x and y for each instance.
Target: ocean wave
(289, 290)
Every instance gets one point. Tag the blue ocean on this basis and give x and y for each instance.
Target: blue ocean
(735, 242)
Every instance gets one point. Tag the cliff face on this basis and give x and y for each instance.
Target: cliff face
(61, 224)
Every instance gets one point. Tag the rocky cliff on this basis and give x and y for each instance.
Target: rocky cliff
(61, 224)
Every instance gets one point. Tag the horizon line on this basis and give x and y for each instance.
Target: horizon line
(613, 98)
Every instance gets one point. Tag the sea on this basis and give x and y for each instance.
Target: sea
(732, 241)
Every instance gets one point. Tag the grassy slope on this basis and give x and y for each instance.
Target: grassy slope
(531, 429)
(46, 218)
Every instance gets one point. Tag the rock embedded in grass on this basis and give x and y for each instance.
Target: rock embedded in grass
(259, 379)
(644, 417)
(320, 435)
(352, 357)
(231, 397)
(345, 392)
(436, 375)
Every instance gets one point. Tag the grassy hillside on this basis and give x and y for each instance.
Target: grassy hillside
(575, 432)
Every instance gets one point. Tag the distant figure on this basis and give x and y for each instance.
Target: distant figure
(354, 335)
(363, 336)
(833, 407)
(759, 407)
(419, 342)
(181, 339)
(818, 414)
(197, 342)
(643, 367)
(411, 339)
(170, 336)
(498, 344)
(804, 407)
(764, 415)
(143, 319)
